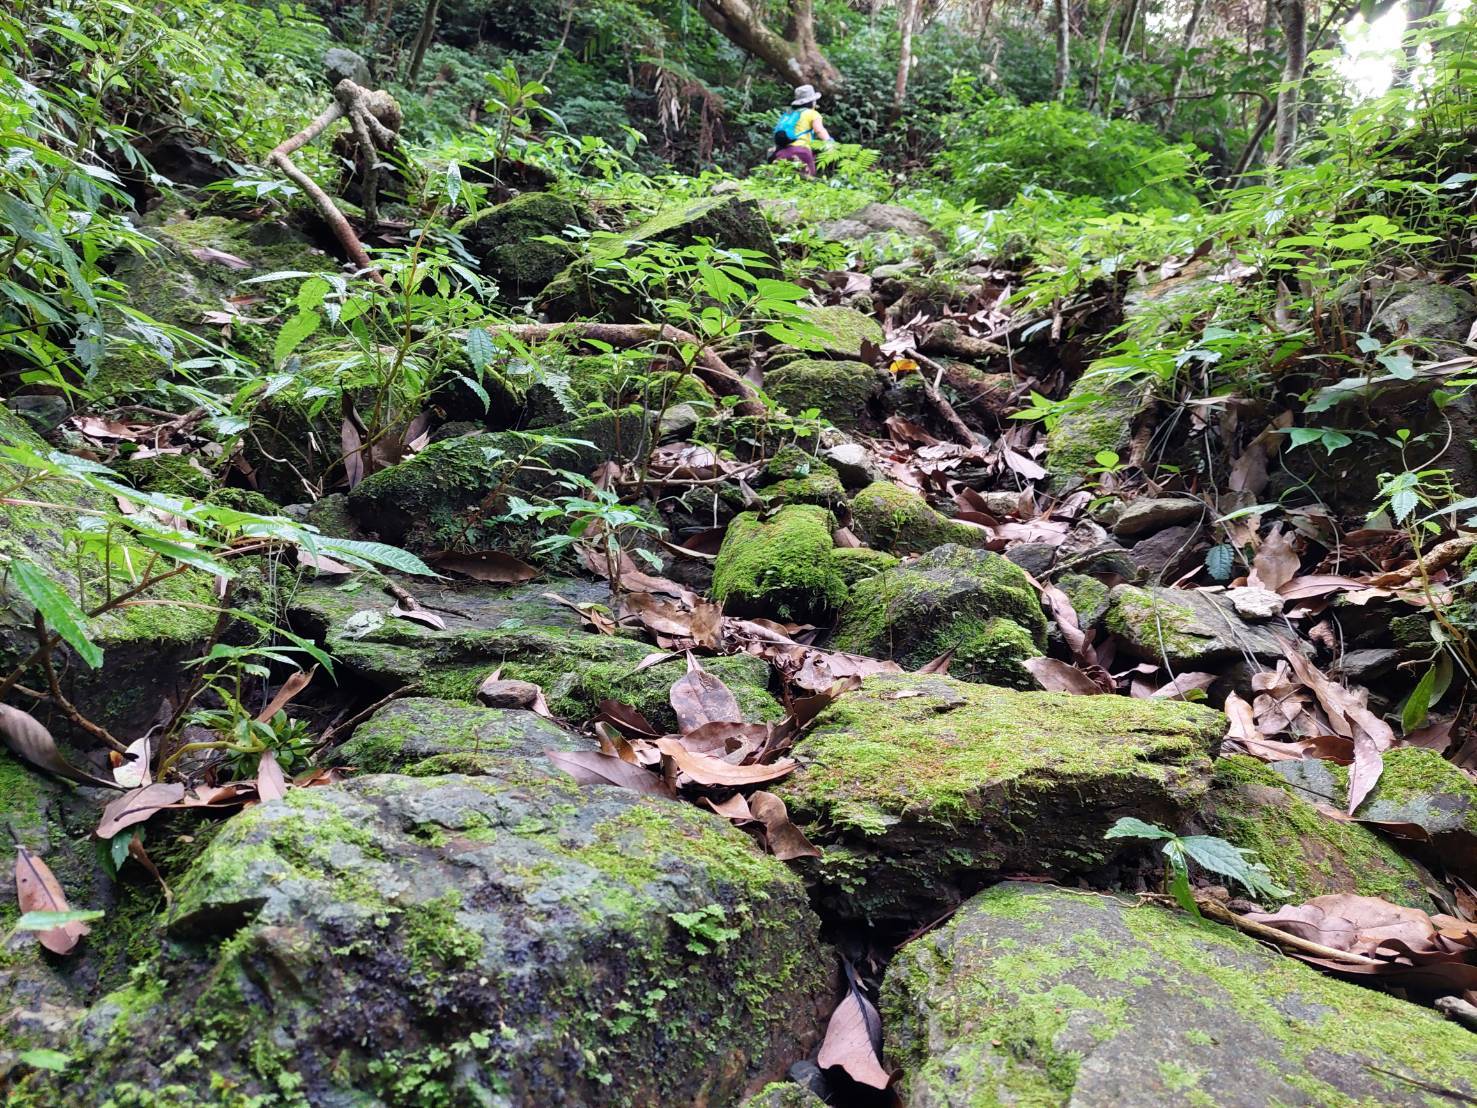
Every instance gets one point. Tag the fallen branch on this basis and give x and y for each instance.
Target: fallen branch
(941, 406)
(1218, 911)
(709, 368)
(947, 337)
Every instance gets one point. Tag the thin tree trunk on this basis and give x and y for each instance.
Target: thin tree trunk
(1125, 31)
(1063, 12)
(423, 40)
(907, 15)
(1294, 17)
(1191, 28)
(1102, 53)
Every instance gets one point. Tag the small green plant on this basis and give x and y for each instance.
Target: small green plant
(705, 928)
(599, 518)
(1207, 851)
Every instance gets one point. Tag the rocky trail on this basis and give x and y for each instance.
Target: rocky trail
(760, 712)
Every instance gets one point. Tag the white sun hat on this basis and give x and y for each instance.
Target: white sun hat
(804, 95)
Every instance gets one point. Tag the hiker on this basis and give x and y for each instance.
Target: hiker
(797, 130)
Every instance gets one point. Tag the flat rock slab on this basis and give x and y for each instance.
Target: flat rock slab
(518, 941)
(1045, 996)
(517, 629)
(424, 736)
(919, 788)
(1148, 514)
(1187, 627)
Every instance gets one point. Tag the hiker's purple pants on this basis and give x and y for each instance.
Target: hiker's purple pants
(802, 154)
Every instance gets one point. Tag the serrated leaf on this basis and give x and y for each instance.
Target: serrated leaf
(294, 332)
(57, 608)
(480, 348)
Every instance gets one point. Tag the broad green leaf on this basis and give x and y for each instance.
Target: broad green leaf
(1418, 703)
(57, 608)
(377, 552)
(47, 921)
(43, 1059)
(1130, 828)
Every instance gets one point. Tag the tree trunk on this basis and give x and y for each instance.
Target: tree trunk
(907, 16)
(1191, 28)
(1063, 12)
(797, 59)
(1102, 53)
(1130, 21)
(422, 40)
(1294, 18)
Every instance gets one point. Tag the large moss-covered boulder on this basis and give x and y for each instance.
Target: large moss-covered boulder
(506, 240)
(885, 222)
(197, 265)
(518, 629)
(973, 602)
(794, 476)
(900, 521)
(518, 939)
(847, 330)
(428, 501)
(780, 566)
(1309, 853)
(144, 645)
(423, 736)
(919, 787)
(1045, 996)
(727, 221)
(1417, 788)
(845, 392)
(1188, 628)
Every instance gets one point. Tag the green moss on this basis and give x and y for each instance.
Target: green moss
(975, 603)
(1140, 615)
(1306, 851)
(793, 476)
(1415, 777)
(171, 474)
(900, 521)
(858, 563)
(1088, 595)
(435, 939)
(840, 390)
(846, 330)
(779, 567)
(876, 755)
(1104, 423)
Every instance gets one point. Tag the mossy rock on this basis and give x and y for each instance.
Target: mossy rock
(973, 602)
(517, 939)
(844, 392)
(728, 221)
(187, 275)
(425, 502)
(404, 735)
(529, 637)
(846, 330)
(919, 787)
(783, 1094)
(1417, 787)
(144, 645)
(1307, 852)
(1046, 996)
(780, 566)
(1188, 628)
(860, 563)
(794, 476)
(1104, 421)
(900, 521)
(575, 386)
(504, 240)
(1088, 596)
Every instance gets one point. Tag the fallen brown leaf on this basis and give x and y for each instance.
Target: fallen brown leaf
(270, 783)
(705, 770)
(137, 806)
(590, 767)
(698, 698)
(854, 1038)
(491, 566)
(37, 890)
(1057, 676)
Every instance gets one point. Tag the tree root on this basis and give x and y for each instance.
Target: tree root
(363, 109)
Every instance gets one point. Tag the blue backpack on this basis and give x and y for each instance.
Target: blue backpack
(788, 128)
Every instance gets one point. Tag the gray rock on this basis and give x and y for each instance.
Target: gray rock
(918, 787)
(677, 423)
(1439, 315)
(1036, 558)
(340, 63)
(1039, 995)
(1254, 604)
(423, 736)
(1189, 628)
(852, 464)
(880, 221)
(1002, 503)
(520, 939)
(972, 602)
(1168, 554)
(43, 413)
(1147, 514)
(1363, 666)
